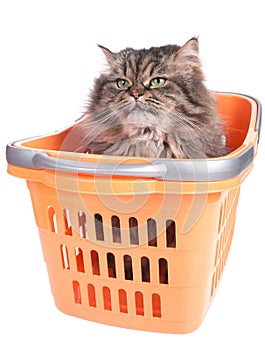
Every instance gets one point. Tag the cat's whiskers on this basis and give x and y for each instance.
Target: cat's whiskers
(183, 120)
(96, 118)
(154, 106)
(175, 116)
(97, 124)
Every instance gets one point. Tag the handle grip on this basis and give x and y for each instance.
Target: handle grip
(43, 160)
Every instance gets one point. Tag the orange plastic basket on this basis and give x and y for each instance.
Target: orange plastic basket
(135, 242)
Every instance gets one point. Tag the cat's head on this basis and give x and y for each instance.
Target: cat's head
(154, 95)
(153, 77)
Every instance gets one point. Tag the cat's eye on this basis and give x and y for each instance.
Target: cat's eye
(157, 82)
(123, 84)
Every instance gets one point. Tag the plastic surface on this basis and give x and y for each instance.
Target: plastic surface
(138, 253)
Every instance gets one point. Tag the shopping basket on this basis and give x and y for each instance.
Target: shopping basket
(136, 242)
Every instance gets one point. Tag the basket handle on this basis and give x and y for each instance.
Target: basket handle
(209, 169)
(44, 161)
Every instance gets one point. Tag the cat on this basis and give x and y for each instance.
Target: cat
(152, 103)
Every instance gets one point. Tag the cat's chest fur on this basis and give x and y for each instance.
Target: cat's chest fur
(141, 120)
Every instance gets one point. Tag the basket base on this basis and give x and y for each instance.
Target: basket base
(136, 323)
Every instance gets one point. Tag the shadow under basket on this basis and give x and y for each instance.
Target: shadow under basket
(136, 242)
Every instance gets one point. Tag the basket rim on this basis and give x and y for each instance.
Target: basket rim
(196, 170)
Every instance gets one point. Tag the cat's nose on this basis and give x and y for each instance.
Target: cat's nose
(136, 93)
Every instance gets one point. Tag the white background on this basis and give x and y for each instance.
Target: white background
(48, 59)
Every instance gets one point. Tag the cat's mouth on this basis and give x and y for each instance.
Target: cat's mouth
(140, 107)
(141, 117)
(136, 106)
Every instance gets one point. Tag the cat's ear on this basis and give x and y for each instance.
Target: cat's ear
(110, 56)
(188, 58)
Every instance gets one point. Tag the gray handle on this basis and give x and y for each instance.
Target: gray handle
(43, 160)
(167, 169)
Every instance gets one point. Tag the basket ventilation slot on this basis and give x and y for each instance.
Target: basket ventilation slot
(64, 257)
(67, 223)
(116, 229)
(79, 260)
(111, 265)
(171, 233)
(82, 225)
(95, 263)
(145, 269)
(163, 271)
(156, 305)
(123, 301)
(52, 220)
(107, 298)
(152, 233)
(91, 295)
(99, 227)
(128, 267)
(139, 303)
(77, 292)
(134, 235)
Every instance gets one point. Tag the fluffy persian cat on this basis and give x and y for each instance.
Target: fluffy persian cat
(152, 103)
